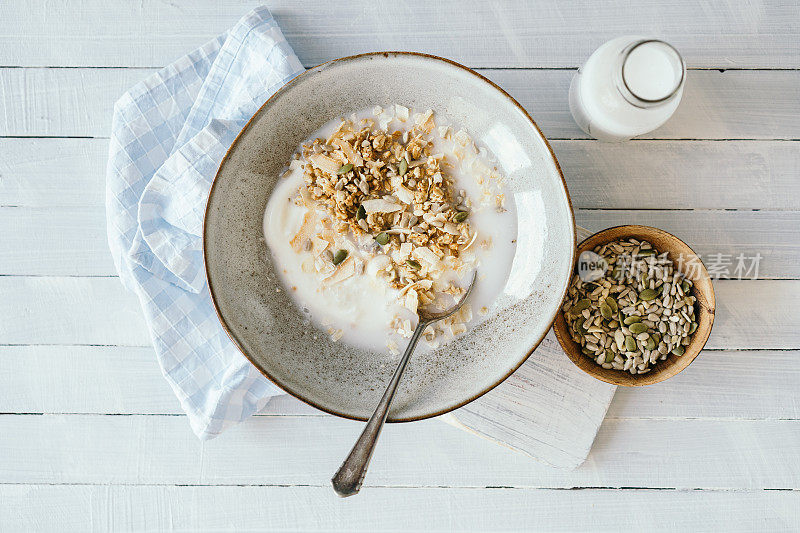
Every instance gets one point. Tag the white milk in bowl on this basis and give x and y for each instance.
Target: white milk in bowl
(383, 213)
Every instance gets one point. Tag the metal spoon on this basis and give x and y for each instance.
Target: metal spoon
(347, 480)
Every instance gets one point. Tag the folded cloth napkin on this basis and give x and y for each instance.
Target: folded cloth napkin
(168, 136)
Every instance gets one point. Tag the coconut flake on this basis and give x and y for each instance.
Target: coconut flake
(345, 270)
(352, 156)
(425, 254)
(403, 194)
(378, 264)
(411, 301)
(401, 112)
(379, 205)
(320, 245)
(422, 118)
(405, 249)
(462, 137)
(309, 221)
(323, 162)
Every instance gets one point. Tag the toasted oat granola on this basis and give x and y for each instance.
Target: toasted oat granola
(390, 191)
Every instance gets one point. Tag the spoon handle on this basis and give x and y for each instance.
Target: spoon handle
(347, 480)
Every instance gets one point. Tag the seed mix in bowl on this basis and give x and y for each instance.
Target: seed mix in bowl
(636, 313)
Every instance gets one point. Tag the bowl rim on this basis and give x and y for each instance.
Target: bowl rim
(570, 347)
(386, 54)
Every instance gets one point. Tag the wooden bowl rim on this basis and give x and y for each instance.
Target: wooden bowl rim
(704, 307)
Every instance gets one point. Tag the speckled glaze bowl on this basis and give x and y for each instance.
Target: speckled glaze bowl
(270, 330)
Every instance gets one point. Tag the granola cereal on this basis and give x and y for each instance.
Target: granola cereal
(376, 198)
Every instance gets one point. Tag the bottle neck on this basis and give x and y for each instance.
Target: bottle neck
(649, 73)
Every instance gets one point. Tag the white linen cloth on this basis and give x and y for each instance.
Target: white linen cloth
(168, 136)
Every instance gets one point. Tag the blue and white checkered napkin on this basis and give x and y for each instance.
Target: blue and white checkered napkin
(168, 137)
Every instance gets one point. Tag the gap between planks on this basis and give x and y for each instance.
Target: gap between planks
(734, 105)
(290, 450)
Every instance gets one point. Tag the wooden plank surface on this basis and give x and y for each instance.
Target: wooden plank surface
(498, 34)
(285, 450)
(772, 234)
(638, 175)
(53, 172)
(729, 384)
(69, 344)
(47, 310)
(69, 241)
(154, 508)
(736, 104)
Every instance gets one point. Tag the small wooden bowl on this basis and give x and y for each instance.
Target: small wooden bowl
(691, 266)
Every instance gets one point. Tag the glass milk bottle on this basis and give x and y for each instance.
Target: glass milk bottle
(629, 86)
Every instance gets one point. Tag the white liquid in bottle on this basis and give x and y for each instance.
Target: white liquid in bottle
(629, 86)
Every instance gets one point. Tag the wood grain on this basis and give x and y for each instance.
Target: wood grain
(548, 409)
(682, 174)
(747, 401)
(698, 175)
(121, 379)
(501, 34)
(53, 172)
(47, 310)
(287, 450)
(154, 508)
(773, 234)
(44, 310)
(71, 241)
(716, 105)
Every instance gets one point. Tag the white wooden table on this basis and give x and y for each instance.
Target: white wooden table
(91, 437)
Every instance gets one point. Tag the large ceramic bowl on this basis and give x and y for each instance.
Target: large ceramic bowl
(267, 326)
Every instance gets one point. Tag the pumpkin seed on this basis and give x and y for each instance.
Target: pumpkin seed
(344, 169)
(630, 343)
(460, 217)
(582, 304)
(403, 167)
(413, 264)
(361, 213)
(647, 295)
(339, 256)
(641, 316)
(586, 351)
(382, 238)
